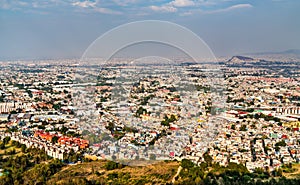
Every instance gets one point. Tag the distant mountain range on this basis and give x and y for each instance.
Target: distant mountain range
(291, 55)
(286, 52)
(276, 61)
(240, 60)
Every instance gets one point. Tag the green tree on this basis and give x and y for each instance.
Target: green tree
(152, 157)
(57, 106)
(198, 180)
(140, 111)
(2, 146)
(23, 148)
(111, 165)
(54, 139)
(280, 143)
(243, 128)
(208, 159)
(185, 163)
(64, 130)
(6, 140)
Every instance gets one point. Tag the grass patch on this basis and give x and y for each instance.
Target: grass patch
(96, 171)
(293, 172)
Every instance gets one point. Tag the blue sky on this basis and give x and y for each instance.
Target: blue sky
(35, 29)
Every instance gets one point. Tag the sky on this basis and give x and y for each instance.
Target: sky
(40, 29)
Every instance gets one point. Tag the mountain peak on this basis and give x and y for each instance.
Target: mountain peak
(240, 59)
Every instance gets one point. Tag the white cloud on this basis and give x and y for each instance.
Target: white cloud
(84, 4)
(163, 8)
(95, 7)
(233, 7)
(172, 6)
(230, 8)
(238, 6)
(124, 2)
(117, 7)
(107, 11)
(12, 4)
(182, 3)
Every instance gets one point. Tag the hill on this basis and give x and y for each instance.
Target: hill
(240, 60)
(98, 171)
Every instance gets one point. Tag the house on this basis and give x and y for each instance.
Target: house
(4, 117)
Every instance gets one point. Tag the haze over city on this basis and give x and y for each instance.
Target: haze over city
(64, 29)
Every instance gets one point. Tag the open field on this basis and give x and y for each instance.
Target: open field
(10, 149)
(295, 173)
(158, 173)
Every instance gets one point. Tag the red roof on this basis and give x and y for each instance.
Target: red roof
(174, 128)
(296, 129)
(172, 154)
(284, 137)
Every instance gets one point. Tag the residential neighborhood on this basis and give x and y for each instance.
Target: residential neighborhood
(147, 112)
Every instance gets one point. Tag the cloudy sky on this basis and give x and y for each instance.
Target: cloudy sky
(35, 29)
